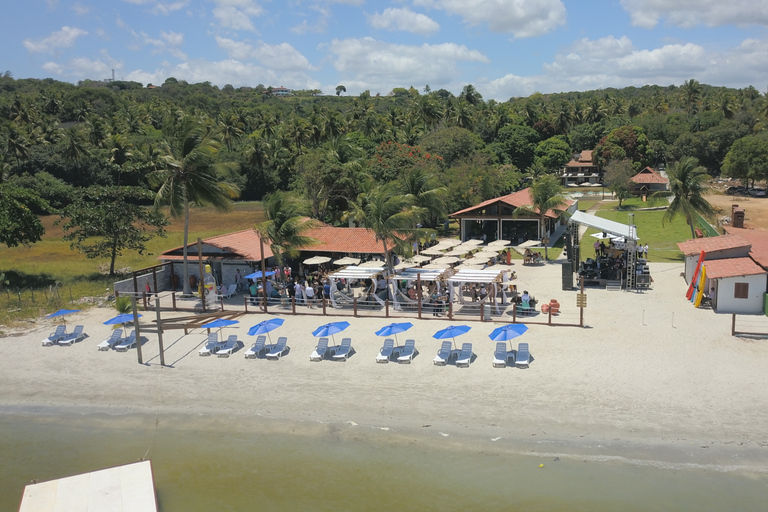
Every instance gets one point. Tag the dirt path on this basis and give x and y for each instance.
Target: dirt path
(756, 209)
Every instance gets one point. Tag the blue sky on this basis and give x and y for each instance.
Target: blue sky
(504, 48)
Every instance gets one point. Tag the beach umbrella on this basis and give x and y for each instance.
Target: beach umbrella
(317, 260)
(266, 326)
(508, 332)
(122, 318)
(499, 243)
(372, 264)
(434, 251)
(62, 312)
(257, 275)
(446, 260)
(393, 329)
(459, 251)
(405, 264)
(347, 261)
(330, 329)
(451, 332)
(418, 258)
(220, 323)
(449, 242)
(603, 236)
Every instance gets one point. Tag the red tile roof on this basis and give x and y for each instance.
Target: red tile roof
(759, 241)
(515, 200)
(732, 267)
(713, 243)
(648, 175)
(245, 244)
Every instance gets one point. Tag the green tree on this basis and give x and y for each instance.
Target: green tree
(546, 195)
(285, 225)
(391, 216)
(105, 221)
(18, 224)
(687, 183)
(516, 145)
(618, 174)
(427, 194)
(553, 153)
(340, 89)
(748, 159)
(192, 175)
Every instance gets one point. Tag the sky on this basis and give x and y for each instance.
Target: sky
(504, 48)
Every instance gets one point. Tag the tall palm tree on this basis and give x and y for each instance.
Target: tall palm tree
(192, 175)
(687, 184)
(388, 214)
(286, 223)
(546, 195)
(426, 192)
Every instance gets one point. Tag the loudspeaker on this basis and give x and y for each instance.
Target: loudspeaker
(567, 276)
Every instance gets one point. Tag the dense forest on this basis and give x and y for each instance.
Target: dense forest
(57, 138)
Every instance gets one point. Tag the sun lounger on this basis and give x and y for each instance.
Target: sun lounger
(232, 290)
(212, 345)
(523, 357)
(257, 348)
(465, 357)
(386, 351)
(127, 343)
(279, 349)
(114, 339)
(73, 337)
(320, 350)
(342, 351)
(500, 355)
(406, 354)
(228, 347)
(55, 336)
(444, 354)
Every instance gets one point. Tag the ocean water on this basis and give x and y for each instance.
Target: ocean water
(233, 465)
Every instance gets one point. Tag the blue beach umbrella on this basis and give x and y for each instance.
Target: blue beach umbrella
(266, 326)
(451, 332)
(220, 323)
(393, 329)
(507, 332)
(62, 312)
(257, 275)
(330, 329)
(122, 318)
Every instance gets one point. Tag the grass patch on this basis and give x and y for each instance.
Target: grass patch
(637, 202)
(586, 204)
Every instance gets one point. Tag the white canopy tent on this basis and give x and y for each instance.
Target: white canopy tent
(604, 225)
(341, 298)
(412, 275)
(494, 280)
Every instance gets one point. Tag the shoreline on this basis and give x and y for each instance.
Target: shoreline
(650, 379)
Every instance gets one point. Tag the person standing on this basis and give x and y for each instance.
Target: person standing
(238, 280)
(596, 245)
(299, 292)
(645, 251)
(309, 291)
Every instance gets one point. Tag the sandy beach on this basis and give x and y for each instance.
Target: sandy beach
(649, 377)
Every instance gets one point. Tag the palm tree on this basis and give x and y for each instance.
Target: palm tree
(388, 214)
(546, 194)
(687, 184)
(426, 193)
(286, 222)
(191, 175)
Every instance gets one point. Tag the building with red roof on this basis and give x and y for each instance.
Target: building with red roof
(493, 219)
(581, 171)
(649, 181)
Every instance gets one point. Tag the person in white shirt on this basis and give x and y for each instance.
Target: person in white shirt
(310, 292)
(299, 292)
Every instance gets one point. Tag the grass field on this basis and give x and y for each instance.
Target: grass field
(51, 260)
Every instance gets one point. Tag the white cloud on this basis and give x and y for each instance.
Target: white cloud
(80, 9)
(236, 14)
(282, 57)
(688, 13)
(167, 42)
(63, 38)
(81, 68)
(610, 62)
(167, 8)
(522, 18)
(367, 63)
(405, 20)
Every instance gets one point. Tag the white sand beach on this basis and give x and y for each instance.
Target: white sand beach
(649, 371)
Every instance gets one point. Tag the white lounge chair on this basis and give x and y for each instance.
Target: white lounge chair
(320, 350)
(55, 336)
(127, 343)
(342, 351)
(73, 337)
(444, 354)
(523, 357)
(212, 345)
(228, 347)
(406, 354)
(257, 348)
(114, 339)
(465, 357)
(386, 351)
(501, 355)
(232, 290)
(279, 349)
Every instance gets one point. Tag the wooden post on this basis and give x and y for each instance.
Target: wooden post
(514, 313)
(549, 314)
(386, 308)
(482, 308)
(450, 310)
(263, 274)
(144, 300)
(246, 300)
(154, 279)
(173, 298)
(201, 283)
(733, 325)
(136, 329)
(325, 303)
(135, 284)
(581, 309)
(173, 279)
(293, 305)
(354, 305)
(418, 291)
(159, 331)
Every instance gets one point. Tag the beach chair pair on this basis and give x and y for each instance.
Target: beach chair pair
(76, 335)
(232, 290)
(446, 353)
(401, 355)
(340, 353)
(55, 336)
(228, 347)
(273, 352)
(115, 338)
(521, 358)
(127, 343)
(211, 346)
